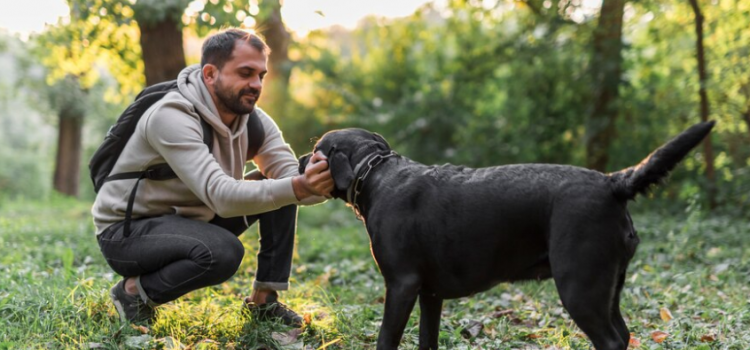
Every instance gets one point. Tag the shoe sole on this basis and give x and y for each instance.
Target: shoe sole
(118, 306)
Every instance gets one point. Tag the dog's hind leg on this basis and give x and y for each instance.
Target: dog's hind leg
(587, 281)
(400, 297)
(429, 321)
(590, 306)
(617, 319)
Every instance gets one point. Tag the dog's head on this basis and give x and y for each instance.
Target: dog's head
(345, 148)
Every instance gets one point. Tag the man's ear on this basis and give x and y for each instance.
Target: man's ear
(303, 160)
(341, 171)
(209, 72)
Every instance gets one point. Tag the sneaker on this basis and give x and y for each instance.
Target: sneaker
(273, 310)
(131, 307)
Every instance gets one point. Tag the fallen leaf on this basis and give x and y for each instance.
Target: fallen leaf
(472, 330)
(490, 332)
(659, 336)
(633, 342)
(707, 338)
(140, 329)
(665, 314)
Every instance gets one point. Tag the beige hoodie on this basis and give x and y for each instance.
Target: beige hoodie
(208, 183)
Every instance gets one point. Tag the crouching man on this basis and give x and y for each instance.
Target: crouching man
(169, 237)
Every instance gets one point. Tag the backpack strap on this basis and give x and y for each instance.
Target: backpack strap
(255, 134)
(155, 172)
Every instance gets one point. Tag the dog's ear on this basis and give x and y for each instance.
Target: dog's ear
(341, 171)
(303, 160)
(381, 139)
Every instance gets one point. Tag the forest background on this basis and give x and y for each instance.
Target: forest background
(477, 83)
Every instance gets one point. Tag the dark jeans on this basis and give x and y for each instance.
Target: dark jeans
(173, 255)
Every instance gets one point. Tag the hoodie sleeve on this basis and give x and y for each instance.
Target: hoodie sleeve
(174, 131)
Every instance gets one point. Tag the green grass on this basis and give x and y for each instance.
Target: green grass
(54, 283)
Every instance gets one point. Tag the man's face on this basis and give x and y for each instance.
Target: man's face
(238, 84)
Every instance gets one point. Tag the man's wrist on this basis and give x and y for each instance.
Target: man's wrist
(300, 191)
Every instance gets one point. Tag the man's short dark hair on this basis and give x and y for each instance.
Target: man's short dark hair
(218, 48)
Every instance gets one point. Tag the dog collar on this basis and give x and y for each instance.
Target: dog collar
(354, 191)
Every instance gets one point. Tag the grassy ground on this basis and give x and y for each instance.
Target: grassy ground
(690, 279)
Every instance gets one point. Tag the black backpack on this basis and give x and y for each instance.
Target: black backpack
(117, 137)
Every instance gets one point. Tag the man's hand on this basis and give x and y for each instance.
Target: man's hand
(316, 181)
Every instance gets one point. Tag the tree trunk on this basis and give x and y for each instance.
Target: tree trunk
(68, 159)
(606, 67)
(707, 147)
(276, 84)
(163, 54)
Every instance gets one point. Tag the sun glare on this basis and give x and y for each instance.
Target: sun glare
(30, 16)
(300, 16)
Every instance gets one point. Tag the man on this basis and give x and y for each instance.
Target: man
(183, 232)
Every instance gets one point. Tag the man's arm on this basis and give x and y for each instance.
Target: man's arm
(177, 138)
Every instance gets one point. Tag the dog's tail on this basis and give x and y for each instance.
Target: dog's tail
(628, 183)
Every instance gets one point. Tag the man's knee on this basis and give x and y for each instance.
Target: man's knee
(228, 257)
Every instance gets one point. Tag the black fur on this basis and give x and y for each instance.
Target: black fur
(443, 232)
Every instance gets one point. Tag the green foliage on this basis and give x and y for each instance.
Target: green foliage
(661, 92)
(201, 16)
(25, 135)
(479, 87)
(76, 47)
(510, 83)
(54, 284)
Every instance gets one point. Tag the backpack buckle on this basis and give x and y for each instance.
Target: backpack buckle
(150, 174)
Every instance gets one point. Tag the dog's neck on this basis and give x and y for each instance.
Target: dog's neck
(362, 171)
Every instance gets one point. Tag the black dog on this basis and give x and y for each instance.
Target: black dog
(443, 232)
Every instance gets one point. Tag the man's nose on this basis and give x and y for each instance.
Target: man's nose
(256, 82)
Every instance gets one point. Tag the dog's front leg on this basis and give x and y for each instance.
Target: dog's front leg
(400, 297)
(429, 322)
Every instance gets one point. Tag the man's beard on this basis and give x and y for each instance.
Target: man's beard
(233, 101)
